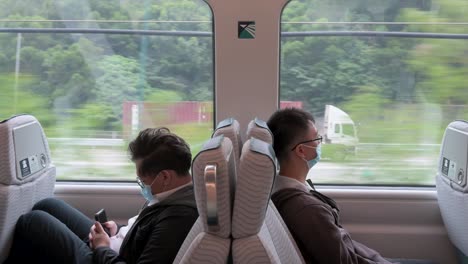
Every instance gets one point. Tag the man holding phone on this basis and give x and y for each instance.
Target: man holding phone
(55, 232)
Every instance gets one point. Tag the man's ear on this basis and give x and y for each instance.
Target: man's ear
(299, 151)
(166, 176)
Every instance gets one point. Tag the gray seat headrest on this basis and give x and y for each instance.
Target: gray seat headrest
(258, 128)
(212, 169)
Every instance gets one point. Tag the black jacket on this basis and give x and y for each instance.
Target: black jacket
(158, 232)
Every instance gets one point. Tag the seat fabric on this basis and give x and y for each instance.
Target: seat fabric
(209, 239)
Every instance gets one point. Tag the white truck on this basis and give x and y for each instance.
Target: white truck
(339, 131)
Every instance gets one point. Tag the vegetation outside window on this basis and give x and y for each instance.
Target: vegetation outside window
(390, 74)
(96, 72)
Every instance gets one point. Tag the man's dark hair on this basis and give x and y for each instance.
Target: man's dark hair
(288, 126)
(159, 149)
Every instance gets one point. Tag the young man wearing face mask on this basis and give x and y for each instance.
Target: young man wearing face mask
(55, 232)
(312, 217)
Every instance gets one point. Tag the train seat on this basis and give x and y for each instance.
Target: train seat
(209, 240)
(229, 127)
(253, 240)
(452, 188)
(258, 128)
(26, 173)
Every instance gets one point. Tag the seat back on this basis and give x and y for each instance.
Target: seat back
(26, 173)
(229, 128)
(254, 240)
(209, 239)
(283, 241)
(452, 187)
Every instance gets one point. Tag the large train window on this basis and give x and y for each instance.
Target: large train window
(96, 72)
(383, 79)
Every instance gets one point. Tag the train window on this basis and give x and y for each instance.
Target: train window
(348, 130)
(392, 73)
(96, 72)
(337, 128)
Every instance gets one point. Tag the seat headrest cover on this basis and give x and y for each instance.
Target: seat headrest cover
(261, 147)
(212, 170)
(257, 172)
(226, 122)
(230, 128)
(25, 152)
(258, 128)
(454, 156)
(261, 123)
(213, 143)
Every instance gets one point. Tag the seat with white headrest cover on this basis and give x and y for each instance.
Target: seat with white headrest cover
(282, 238)
(452, 187)
(26, 173)
(209, 239)
(254, 241)
(258, 129)
(229, 127)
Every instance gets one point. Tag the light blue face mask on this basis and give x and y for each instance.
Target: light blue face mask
(311, 163)
(146, 191)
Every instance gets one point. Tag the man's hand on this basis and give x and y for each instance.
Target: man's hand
(112, 227)
(98, 237)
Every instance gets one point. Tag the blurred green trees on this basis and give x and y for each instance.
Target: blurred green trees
(400, 90)
(75, 77)
(78, 76)
(441, 65)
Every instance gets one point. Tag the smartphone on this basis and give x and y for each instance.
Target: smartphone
(101, 216)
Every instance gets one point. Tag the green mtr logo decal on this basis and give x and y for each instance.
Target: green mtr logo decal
(246, 29)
